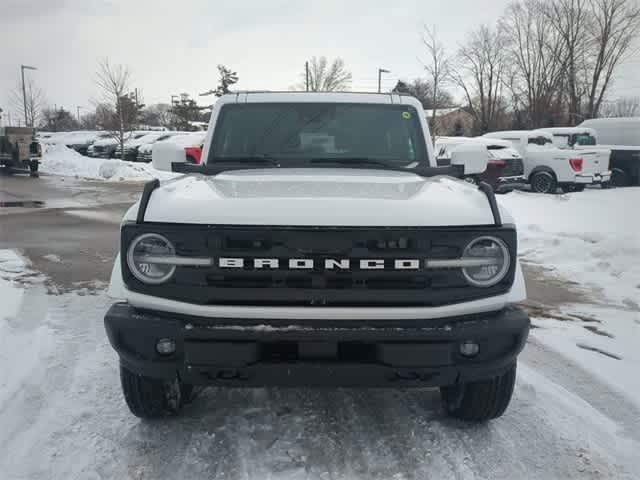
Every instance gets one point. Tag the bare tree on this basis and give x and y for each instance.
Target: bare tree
(535, 59)
(480, 72)
(59, 120)
(423, 91)
(325, 76)
(113, 81)
(159, 114)
(570, 20)
(438, 66)
(33, 99)
(621, 107)
(613, 26)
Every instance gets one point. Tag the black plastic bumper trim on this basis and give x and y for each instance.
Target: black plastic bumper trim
(236, 352)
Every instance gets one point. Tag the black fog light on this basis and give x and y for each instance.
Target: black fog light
(166, 346)
(469, 348)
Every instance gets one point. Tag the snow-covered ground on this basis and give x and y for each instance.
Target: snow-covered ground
(59, 160)
(591, 240)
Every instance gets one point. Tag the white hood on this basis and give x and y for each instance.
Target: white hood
(332, 197)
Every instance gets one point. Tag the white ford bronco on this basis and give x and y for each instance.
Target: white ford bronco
(318, 244)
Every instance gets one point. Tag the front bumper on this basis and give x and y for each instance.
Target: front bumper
(393, 353)
(510, 183)
(593, 178)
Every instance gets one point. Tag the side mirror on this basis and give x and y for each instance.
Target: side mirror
(165, 154)
(472, 158)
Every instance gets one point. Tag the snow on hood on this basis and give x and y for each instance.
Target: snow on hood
(337, 197)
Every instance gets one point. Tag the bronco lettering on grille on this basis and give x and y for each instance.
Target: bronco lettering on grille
(326, 264)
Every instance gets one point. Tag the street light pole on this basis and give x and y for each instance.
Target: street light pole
(24, 91)
(78, 110)
(306, 71)
(380, 72)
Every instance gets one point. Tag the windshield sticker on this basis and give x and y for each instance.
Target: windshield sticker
(406, 115)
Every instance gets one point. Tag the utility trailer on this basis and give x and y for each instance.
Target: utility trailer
(19, 150)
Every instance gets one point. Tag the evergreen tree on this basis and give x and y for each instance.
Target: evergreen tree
(227, 78)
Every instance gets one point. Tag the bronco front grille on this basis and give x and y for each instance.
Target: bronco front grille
(317, 286)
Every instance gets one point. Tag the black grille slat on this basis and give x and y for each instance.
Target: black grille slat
(513, 167)
(213, 285)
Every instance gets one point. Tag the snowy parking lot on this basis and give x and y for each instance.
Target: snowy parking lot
(575, 413)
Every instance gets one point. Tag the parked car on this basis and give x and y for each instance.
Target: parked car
(106, 148)
(144, 150)
(191, 144)
(505, 168)
(547, 167)
(622, 137)
(80, 141)
(325, 250)
(131, 146)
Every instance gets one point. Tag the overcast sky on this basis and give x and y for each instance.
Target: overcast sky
(174, 46)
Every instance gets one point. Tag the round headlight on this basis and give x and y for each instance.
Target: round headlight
(142, 258)
(493, 261)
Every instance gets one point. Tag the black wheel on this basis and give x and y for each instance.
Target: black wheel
(619, 178)
(152, 398)
(543, 182)
(480, 401)
(33, 169)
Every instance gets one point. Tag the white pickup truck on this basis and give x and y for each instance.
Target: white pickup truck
(548, 167)
(616, 139)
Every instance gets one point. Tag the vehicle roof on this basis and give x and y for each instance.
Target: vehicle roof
(519, 134)
(187, 139)
(319, 97)
(610, 121)
(567, 130)
(488, 141)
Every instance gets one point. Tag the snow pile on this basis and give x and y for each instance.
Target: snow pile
(60, 160)
(591, 237)
(22, 350)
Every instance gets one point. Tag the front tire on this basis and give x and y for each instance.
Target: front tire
(543, 182)
(482, 400)
(151, 398)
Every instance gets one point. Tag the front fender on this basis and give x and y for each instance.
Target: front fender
(518, 292)
(117, 289)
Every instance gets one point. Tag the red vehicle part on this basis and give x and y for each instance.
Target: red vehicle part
(194, 154)
(576, 164)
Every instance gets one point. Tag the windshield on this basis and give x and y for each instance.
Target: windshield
(293, 132)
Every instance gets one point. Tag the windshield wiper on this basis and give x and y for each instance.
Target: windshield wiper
(352, 161)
